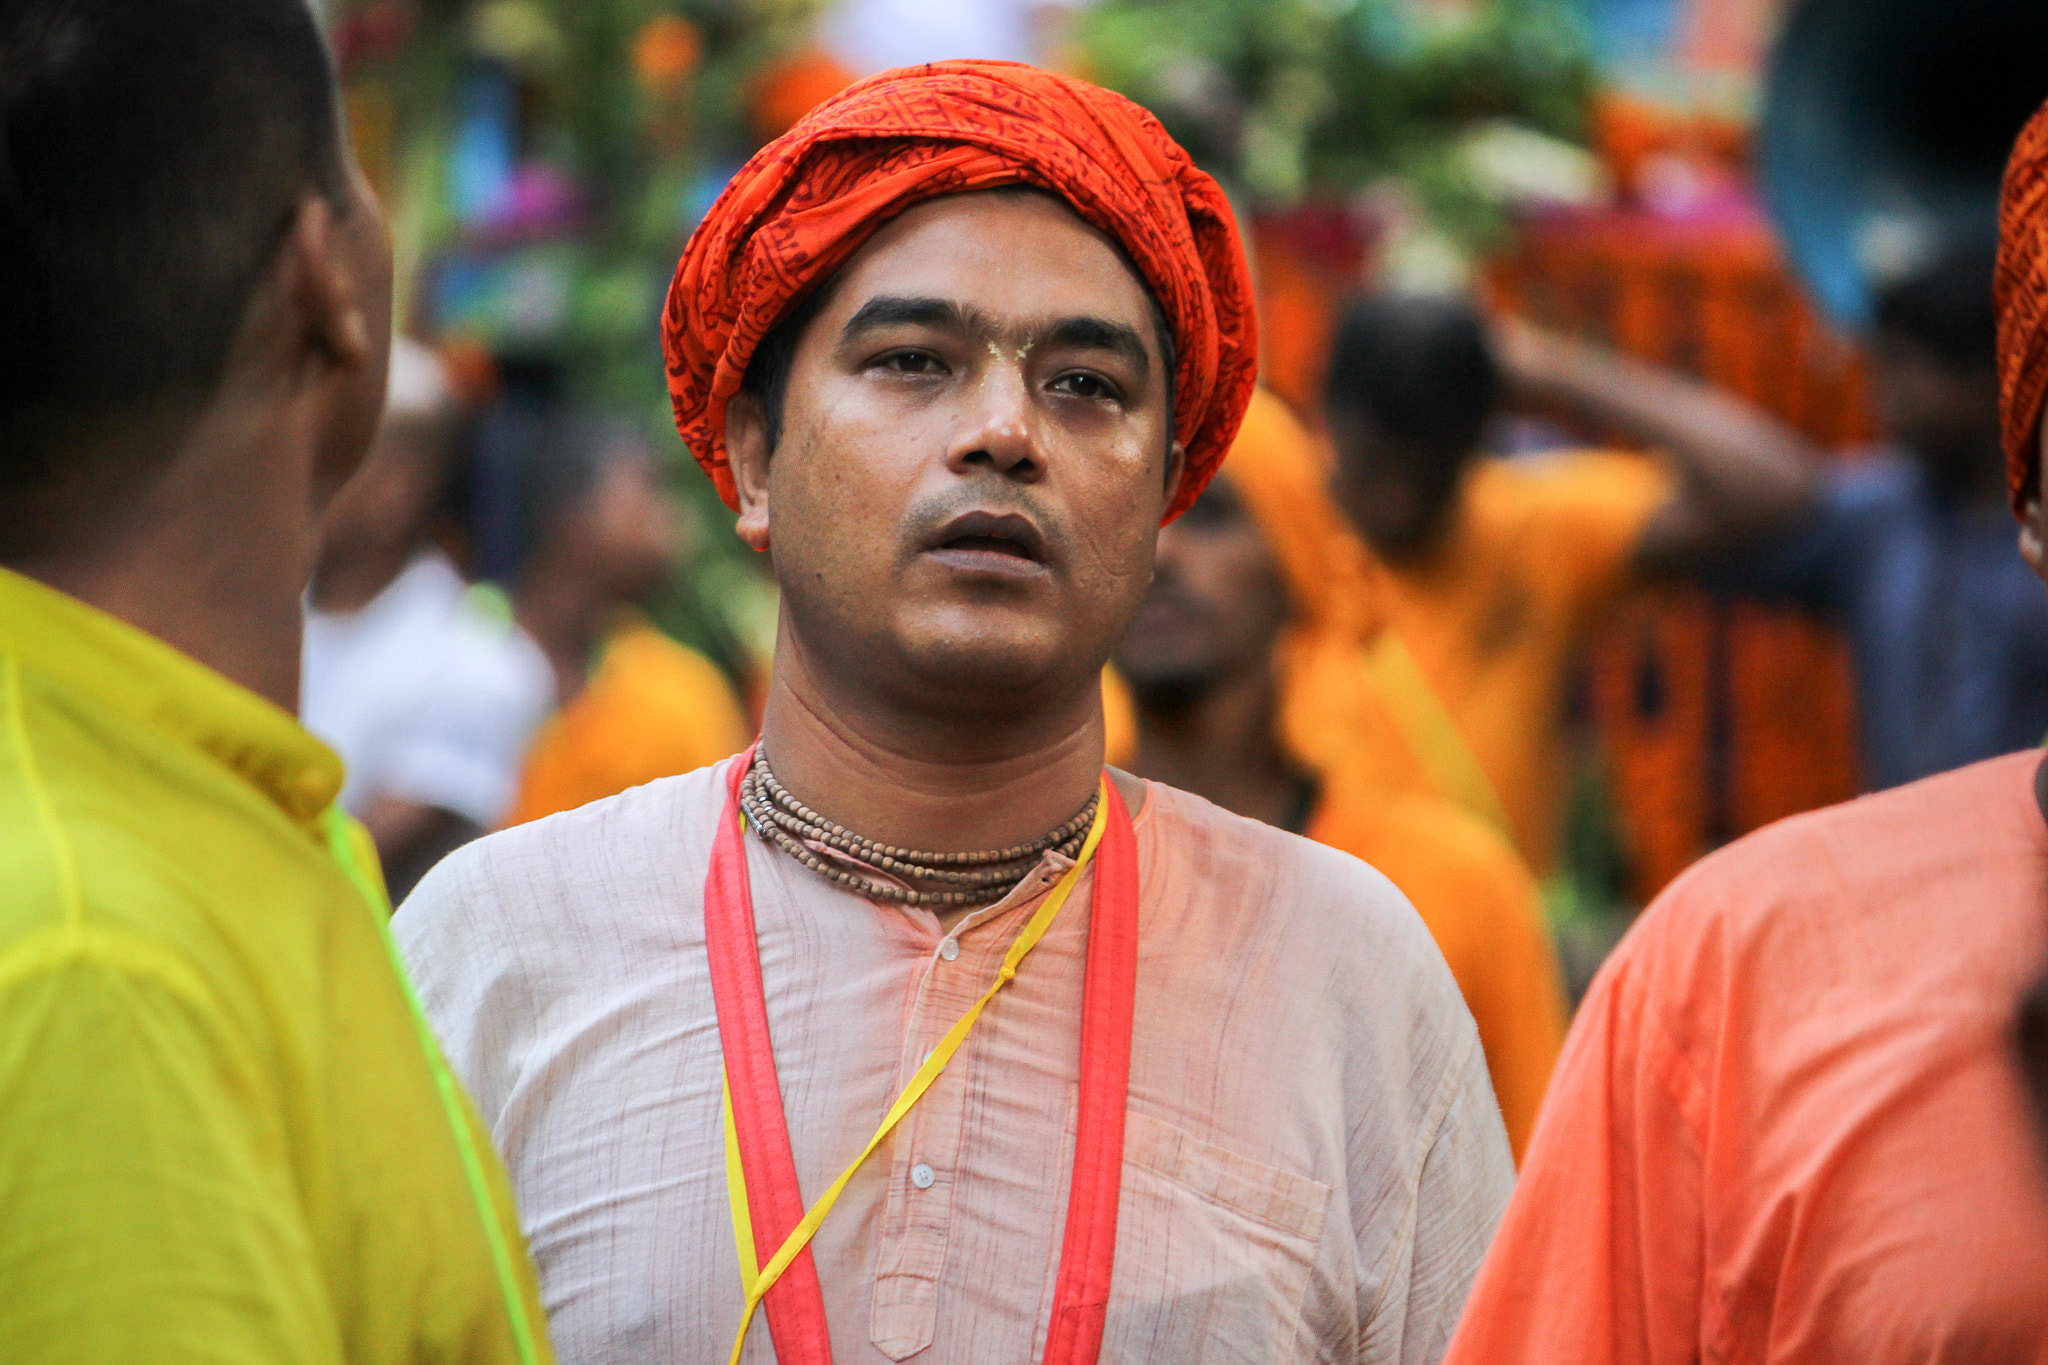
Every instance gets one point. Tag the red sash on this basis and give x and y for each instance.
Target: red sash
(795, 1305)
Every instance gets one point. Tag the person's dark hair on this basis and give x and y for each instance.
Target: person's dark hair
(767, 378)
(533, 465)
(1418, 368)
(151, 155)
(1945, 305)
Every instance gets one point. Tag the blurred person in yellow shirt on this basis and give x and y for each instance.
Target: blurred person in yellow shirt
(597, 534)
(225, 1133)
(1499, 567)
(1260, 599)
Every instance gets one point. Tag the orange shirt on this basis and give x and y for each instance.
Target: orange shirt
(1476, 896)
(1494, 620)
(651, 709)
(1788, 1125)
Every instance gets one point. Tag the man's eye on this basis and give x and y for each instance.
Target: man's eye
(1084, 385)
(911, 362)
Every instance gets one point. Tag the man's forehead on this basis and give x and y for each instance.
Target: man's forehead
(1011, 253)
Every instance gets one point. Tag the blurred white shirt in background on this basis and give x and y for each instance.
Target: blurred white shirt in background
(427, 694)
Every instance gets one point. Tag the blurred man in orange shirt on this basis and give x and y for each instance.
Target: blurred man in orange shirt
(1499, 567)
(1254, 590)
(1791, 1124)
(596, 535)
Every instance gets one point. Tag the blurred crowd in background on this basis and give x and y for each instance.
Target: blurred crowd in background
(1657, 541)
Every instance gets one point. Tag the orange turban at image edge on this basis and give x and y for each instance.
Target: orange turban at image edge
(807, 201)
(2022, 293)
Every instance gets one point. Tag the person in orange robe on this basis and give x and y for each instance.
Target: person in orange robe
(1262, 595)
(1498, 569)
(1790, 1123)
(600, 534)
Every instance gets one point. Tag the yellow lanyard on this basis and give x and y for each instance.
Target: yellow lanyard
(756, 1283)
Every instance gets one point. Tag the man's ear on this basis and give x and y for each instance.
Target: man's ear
(330, 297)
(321, 325)
(747, 453)
(1176, 470)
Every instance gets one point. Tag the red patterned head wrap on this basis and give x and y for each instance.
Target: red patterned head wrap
(2022, 290)
(808, 200)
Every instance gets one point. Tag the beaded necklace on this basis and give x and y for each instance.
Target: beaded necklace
(956, 879)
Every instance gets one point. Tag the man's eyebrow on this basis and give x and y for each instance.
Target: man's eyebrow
(895, 310)
(1099, 334)
(944, 315)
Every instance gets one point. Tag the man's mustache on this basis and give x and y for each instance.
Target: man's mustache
(929, 515)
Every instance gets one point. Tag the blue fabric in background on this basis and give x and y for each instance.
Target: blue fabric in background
(1947, 625)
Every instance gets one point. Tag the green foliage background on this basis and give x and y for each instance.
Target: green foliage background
(1286, 99)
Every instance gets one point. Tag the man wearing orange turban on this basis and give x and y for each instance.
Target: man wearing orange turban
(915, 1027)
(1261, 599)
(1788, 1124)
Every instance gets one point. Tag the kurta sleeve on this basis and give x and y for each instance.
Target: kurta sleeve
(1465, 1181)
(1598, 1260)
(147, 1212)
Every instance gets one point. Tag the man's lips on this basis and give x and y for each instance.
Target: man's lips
(990, 542)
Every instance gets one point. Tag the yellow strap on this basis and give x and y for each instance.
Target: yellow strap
(1430, 729)
(756, 1283)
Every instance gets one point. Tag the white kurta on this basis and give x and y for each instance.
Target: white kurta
(1313, 1158)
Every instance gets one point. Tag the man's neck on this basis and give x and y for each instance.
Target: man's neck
(210, 556)
(1222, 747)
(351, 583)
(925, 780)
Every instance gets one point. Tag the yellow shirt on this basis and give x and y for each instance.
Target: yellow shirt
(652, 708)
(223, 1136)
(1494, 620)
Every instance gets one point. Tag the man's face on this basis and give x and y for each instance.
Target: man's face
(628, 529)
(1398, 497)
(1216, 606)
(387, 501)
(975, 454)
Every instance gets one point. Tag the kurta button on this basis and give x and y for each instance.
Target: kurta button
(950, 949)
(921, 1176)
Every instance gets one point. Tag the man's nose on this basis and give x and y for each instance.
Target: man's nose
(1000, 427)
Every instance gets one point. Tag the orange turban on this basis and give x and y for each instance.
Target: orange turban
(805, 203)
(2022, 289)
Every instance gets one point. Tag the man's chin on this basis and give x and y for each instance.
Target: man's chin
(996, 664)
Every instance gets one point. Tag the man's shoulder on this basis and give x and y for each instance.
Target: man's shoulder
(550, 879)
(1252, 879)
(1563, 476)
(123, 873)
(1567, 513)
(1943, 866)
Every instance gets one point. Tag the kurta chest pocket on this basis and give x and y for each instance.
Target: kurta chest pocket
(1214, 1252)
